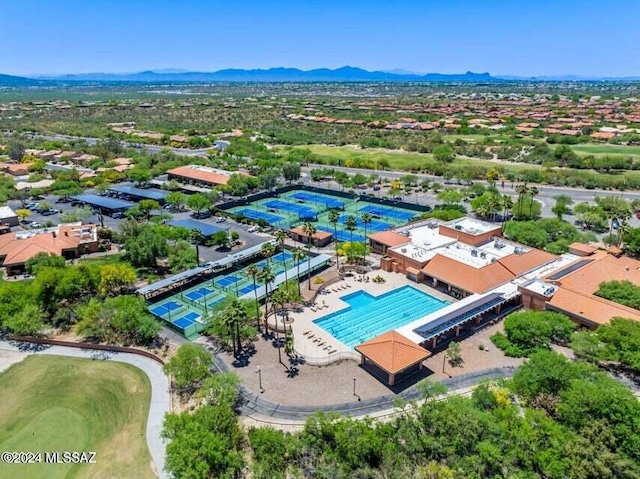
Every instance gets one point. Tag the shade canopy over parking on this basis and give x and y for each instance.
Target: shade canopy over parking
(140, 193)
(111, 204)
(207, 230)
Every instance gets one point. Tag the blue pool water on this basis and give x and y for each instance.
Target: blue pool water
(369, 316)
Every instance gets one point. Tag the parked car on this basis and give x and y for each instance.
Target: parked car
(117, 215)
(376, 188)
(221, 219)
(253, 229)
(202, 215)
(35, 224)
(48, 212)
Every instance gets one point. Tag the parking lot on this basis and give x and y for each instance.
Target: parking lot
(206, 253)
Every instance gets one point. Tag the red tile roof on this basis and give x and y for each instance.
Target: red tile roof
(392, 352)
(389, 238)
(466, 277)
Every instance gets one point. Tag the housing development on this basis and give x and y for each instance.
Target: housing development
(324, 272)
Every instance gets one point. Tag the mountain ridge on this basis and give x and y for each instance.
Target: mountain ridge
(278, 74)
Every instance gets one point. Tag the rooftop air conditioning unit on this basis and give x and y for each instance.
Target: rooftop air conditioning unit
(404, 250)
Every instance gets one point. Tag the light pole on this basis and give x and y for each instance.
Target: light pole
(444, 359)
(259, 371)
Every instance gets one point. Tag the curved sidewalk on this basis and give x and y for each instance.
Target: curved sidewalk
(160, 395)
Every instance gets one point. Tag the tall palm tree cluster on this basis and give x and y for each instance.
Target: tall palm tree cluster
(494, 204)
(525, 192)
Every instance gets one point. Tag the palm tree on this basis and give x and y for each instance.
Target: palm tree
(334, 216)
(522, 190)
(350, 225)
(533, 191)
(266, 276)
(197, 238)
(267, 250)
(309, 230)
(281, 236)
(298, 255)
(253, 271)
(507, 204)
(234, 315)
(366, 218)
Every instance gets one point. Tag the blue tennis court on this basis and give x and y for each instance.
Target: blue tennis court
(291, 207)
(227, 280)
(388, 212)
(165, 308)
(198, 293)
(216, 301)
(187, 320)
(284, 256)
(374, 225)
(260, 215)
(342, 234)
(248, 289)
(323, 200)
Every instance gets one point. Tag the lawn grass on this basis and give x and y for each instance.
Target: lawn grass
(103, 259)
(605, 149)
(405, 161)
(54, 403)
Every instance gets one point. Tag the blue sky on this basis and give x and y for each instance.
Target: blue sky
(536, 37)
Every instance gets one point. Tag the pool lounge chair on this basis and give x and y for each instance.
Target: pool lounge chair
(333, 351)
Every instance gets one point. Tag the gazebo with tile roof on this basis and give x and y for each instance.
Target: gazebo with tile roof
(393, 353)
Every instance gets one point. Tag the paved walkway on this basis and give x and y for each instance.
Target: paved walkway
(160, 396)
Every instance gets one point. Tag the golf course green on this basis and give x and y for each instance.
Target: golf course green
(54, 403)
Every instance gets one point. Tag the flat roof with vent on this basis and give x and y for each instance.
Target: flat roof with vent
(472, 226)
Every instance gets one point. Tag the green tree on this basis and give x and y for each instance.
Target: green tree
(204, 444)
(454, 353)
(189, 367)
(114, 278)
(529, 331)
(621, 292)
(450, 196)
(28, 321)
(562, 205)
(44, 260)
(177, 200)
(444, 153)
(75, 215)
(198, 203)
(147, 206)
(120, 319)
(220, 389)
(15, 150)
(268, 179)
(631, 242)
(291, 171)
(182, 256)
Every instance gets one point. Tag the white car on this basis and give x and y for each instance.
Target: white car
(252, 229)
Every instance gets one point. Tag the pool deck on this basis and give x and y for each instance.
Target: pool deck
(316, 346)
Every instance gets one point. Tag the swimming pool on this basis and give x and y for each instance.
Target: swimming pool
(369, 316)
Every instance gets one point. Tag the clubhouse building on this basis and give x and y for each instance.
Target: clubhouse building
(470, 260)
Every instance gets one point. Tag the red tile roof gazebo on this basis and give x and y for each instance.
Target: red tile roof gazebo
(393, 353)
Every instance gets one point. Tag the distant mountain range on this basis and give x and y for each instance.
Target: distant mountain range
(13, 81)
(344, 74)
